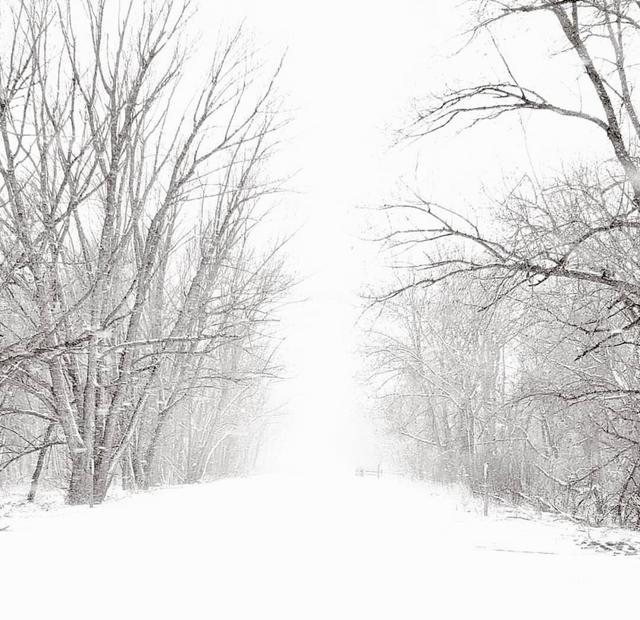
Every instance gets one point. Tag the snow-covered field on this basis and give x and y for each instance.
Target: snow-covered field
(303, 548)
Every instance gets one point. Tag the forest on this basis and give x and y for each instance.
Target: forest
(506, 348)
(319, 310)
(143, 270)
(137, 282)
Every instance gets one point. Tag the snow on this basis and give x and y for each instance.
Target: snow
(285, 547)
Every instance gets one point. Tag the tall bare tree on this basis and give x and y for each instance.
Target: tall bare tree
(104, 162)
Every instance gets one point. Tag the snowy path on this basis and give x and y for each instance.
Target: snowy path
(281, 548)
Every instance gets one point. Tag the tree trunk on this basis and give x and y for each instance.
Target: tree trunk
(81, 484)
(37, 472)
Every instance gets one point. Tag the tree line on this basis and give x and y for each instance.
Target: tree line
(510, 336)
(137, 291)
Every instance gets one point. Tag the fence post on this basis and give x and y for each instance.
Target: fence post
(486, 490)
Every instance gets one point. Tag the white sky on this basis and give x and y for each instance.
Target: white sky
(352, 69)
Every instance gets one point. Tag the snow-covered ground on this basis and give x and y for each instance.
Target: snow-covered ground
(304, 548)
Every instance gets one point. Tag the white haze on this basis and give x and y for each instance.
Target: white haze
(351, 73)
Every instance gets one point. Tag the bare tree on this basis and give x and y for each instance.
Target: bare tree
(564, 252)
(102, 162)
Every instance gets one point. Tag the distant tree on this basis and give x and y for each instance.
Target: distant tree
(439, 367)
